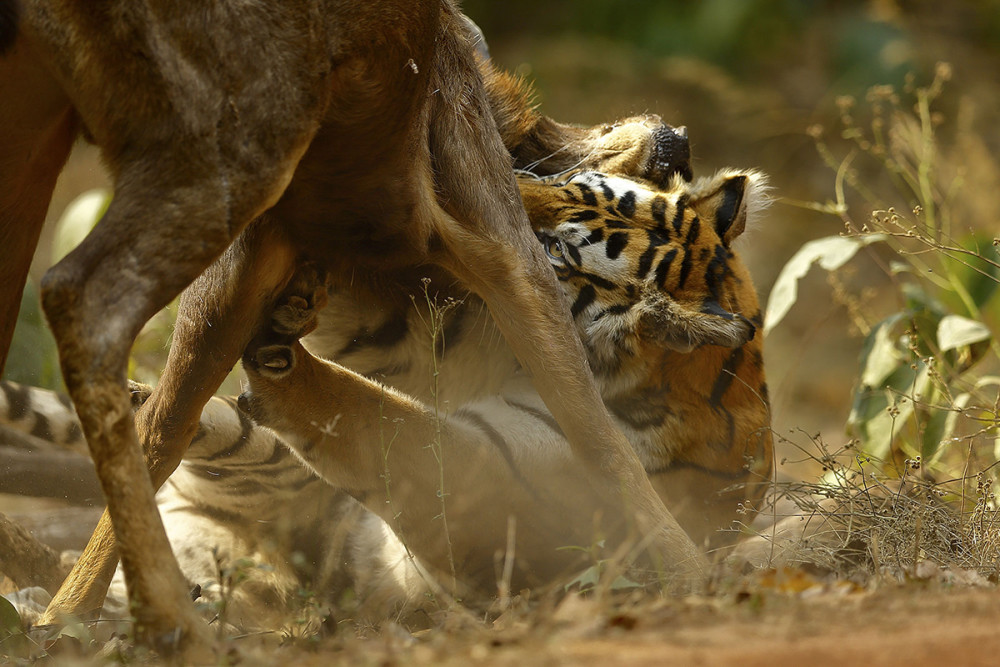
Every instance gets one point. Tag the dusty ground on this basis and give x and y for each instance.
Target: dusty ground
(770, 623)
(912, 624)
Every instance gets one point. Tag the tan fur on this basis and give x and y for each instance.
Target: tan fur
(363, 127)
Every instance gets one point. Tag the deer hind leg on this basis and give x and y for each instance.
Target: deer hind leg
(488, 243)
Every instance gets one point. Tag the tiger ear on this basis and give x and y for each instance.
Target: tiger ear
(728, 199)
(683, 327)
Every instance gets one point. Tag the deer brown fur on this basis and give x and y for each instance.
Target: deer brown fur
(364, 130)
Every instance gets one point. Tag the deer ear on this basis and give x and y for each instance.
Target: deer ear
(728, 199)
(683, 327)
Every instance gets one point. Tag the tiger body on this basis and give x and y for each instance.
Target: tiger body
(667, 313)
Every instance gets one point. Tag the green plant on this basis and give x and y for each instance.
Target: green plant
(927, 388)
(14, 643)
(603, 573)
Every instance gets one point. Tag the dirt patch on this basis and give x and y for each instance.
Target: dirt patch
(911, 624)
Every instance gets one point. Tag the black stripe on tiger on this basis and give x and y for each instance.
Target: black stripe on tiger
(689, 241)
(41, 429)
(585, 215)
(477, 421)
(212, 513)
(574, 253)
(718, 270)
(10, 17)
(383, 372)
(732, 196)
(616, 243)
(74, 433)
(722, 384)
(678, 220)
(279, 454)
(591, 278)
(626, 205)
(655, 240)
(663, 268)
(641, 410)
(617, 309)
(18, 400)
(541, 416)
(615, 223)
(638, 415)
(246, 426)
(451, 334)
(659, 210)
(387, 334)
(588, 196)
(609, 194)
(725, 378)
(586, 297)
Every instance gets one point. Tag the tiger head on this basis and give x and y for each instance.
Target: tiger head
(648, 268)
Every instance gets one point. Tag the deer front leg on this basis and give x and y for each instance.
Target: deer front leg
(215, 320)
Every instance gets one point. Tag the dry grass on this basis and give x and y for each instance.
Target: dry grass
(858, 524)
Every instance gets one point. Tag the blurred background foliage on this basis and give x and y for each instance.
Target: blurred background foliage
(758, 83)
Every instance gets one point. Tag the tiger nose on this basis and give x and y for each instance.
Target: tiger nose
(670, 155)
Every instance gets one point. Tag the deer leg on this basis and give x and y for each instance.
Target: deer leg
(157, 236)
(488, 243)
(32, 157)
(216, 317)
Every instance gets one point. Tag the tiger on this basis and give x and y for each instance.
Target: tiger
(428, 455)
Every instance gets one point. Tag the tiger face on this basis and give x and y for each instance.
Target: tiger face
(645, 267)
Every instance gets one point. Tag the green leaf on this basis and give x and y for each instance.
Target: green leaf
(33, 358)
(622, 583)
(986, 381)
(889, 378)
(980, 277)
(830, 253)
(880, 355)
(10, 620)
(870, 418)
(955, 331)
(940, 427)
(13, 641)
(586, 579)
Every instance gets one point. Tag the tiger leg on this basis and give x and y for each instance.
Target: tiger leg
(448, 486)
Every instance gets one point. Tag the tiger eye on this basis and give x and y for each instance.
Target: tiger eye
(554, 248)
